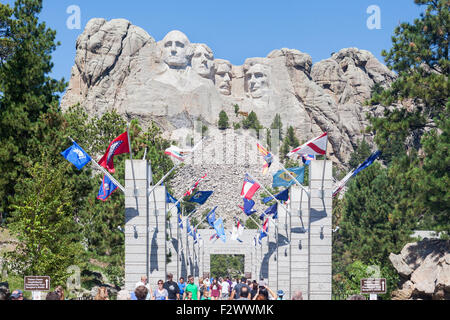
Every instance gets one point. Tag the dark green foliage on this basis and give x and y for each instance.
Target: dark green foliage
(361, 153)
(223, 120)
(26, 92)
(236, 109)
(252, 122)
(290, 142)
(277, 125)
(43, 221)
(227, 265)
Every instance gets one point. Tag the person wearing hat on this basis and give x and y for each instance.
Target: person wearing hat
(16, 295)
(280, 294)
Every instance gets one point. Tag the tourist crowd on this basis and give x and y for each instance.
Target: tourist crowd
(205, 289)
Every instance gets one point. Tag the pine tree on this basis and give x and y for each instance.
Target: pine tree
(277, 125)
(223, 120)
(26, 92)
(290, 142)
(361, 153)
(42, 220)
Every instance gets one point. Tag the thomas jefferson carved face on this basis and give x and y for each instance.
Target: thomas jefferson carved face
(176, 50)
(202, 61)
(257, 80)
(223, 77)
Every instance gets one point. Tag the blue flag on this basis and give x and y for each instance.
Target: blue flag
(282, 179)
(367, 163)
(248, 206)
(262, 235)
(200, 197)
(282, 196)
(171, 199)
(188, 228)
(272, 210)
(77, 156)
(180, 222)
(211, 217)
(218, 226)
(106, 189)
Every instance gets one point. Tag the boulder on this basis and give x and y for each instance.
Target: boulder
(426, 266)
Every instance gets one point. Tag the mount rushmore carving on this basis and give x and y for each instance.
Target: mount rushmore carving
(174, 82)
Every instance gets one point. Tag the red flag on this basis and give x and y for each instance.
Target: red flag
(194, 186)
(117, 146)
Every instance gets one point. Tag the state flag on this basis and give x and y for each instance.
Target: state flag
(106, 189)
(249, 188)
(282, 196)
(77, 156)
(201, 197)
(211, 217)
(316, 146)
(268, 158)
(248, 206)
(220, 230)
(117, 146)
(282, 179)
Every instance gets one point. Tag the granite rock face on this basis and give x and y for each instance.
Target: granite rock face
(425, 265)
(173, 82)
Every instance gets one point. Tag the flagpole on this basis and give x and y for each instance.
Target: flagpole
(117, 183)
(131, 158)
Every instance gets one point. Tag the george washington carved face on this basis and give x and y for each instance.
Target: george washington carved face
(176, 50)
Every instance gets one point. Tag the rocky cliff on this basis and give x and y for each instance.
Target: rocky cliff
(174, 82)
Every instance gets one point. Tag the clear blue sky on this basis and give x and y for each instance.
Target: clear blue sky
(240, 29)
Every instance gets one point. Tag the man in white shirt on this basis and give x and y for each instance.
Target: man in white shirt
(225, 290)
(143, 282)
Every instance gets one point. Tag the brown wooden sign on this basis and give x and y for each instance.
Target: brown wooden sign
(37, 283)
(373, 286)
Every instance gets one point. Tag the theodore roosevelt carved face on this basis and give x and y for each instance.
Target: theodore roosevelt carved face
(203, 61)
(176, 49)
(223, 76)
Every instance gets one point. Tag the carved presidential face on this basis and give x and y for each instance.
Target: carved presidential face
(203, 60)
(176, 49)
(223, 77)
(257, 80)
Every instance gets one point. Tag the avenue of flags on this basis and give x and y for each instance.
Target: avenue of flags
(282, 178)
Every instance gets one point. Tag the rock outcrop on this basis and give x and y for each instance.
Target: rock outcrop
(173, 82)
(425, 268)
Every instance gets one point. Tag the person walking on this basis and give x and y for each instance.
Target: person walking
(160, 293)
(216, 290)
(181, 286)
(192, 287)
(172, 288)
(225, 289)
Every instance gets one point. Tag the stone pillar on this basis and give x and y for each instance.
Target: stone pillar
(320, 275)
(299, 242)
(145, 227)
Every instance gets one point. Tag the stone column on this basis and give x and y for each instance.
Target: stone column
(320, 275)
(136, 224)
(145, 227)
(299, 242)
